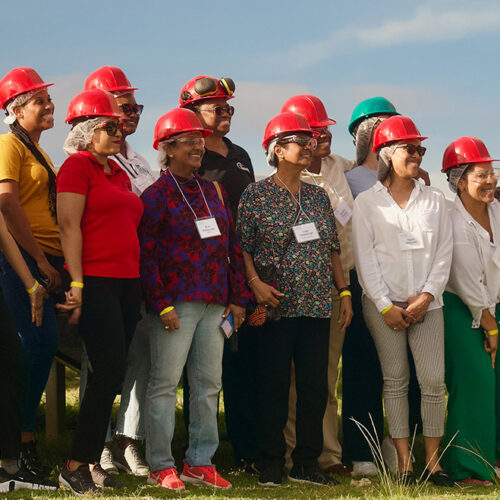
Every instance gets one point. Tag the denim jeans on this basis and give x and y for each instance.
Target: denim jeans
(200, 342)
(40, 343)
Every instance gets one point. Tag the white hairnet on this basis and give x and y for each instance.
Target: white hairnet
(454, 175)
(384, 161)
(270, 154)
(18, 101)
(363, 138)
(80, 136)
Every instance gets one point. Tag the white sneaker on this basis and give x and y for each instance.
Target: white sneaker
(364, 469)
(390, 455)
(131, 460)
(106, 461)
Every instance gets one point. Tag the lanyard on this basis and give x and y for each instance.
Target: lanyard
(185, 199)
(297, 217)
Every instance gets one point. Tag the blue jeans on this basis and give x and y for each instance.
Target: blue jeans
(200, 342)
(39, 343)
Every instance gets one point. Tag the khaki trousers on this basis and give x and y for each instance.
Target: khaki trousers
(332, 450)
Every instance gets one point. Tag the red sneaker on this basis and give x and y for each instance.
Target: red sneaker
(167, 478)
(204, 474)
(473, 481)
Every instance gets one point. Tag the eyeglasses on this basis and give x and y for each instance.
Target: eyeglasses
(479, 178)
(131, 109)
(219, 110)
(411, 149)
(303, 142)
(191, 141)
(111, 128)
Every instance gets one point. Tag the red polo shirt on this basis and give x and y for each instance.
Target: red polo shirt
(110, 246)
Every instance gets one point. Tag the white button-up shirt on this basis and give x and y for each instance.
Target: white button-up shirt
(333, 180)
(137, 168)
(387, 271)
(475, 267)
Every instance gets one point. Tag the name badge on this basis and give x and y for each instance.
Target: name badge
(305, 232)
(207, 227)
(410, 241)
(343, 213)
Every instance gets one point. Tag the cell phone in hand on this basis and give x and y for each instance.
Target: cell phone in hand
(228, 325)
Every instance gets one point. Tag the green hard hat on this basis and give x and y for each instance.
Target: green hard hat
(370, 107)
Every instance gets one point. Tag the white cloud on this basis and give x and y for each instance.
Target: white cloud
(426, 26)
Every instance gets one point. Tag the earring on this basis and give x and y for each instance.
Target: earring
(170, 156)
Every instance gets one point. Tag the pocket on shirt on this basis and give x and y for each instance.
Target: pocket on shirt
(428, 220)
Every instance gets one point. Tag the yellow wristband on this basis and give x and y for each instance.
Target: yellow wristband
(492, 332)
(387, 309)
(345, 293)
(36, 285)
(166, 310)
(76, 284)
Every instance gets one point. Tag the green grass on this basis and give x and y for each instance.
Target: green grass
(244, 485)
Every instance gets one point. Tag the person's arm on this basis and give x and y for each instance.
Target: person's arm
(36, 291)
(19, 227)
(70, 207)
(345, 312)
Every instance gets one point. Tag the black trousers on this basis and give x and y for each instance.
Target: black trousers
(11, 385)
(362, 385)
(305, 340)
(110, 311)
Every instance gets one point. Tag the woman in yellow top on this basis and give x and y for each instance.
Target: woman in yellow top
(27, 202)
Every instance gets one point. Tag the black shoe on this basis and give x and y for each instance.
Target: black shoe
(24, 479)
(271, 475)
(406, 478)
(439, 478)
(103, 479)
(313, 475)
(78, 481)
(29, 460)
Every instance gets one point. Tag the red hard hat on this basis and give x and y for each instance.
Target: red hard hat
(177, 121)
(310, 107)
(286, 122)
(206, 87)
(19, 81)
(108, 78)
(465, 150)
(92, 103)
(395, 128)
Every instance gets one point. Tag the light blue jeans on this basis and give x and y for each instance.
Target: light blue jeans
(198, 344)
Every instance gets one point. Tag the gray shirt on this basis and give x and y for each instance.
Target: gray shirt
(360, 179)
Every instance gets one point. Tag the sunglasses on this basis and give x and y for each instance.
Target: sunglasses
(192, 141)
(112, 128)
(132, 109)
(411, 149)
(219, 110)
(301, 141)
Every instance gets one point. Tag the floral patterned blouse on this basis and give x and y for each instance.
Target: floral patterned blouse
(266, 214)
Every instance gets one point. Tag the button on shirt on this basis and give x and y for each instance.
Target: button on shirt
(137, 169)
(388, 273)
(234, 172)
(475, 267)
(333, 180)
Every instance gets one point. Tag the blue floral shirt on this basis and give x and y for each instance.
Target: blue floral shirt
(266, 214)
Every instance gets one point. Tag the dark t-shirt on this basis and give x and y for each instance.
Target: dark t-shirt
(234, 172)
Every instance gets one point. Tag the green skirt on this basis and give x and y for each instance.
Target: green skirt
(473, 425)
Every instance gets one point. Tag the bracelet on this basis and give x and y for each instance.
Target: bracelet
(36, 285)
(387, 309)
(76, 284)
(492, 332)
(344, 288)
(252, 279)
(345, 293)
(167, 310)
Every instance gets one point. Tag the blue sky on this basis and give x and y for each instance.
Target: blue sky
(438, 61)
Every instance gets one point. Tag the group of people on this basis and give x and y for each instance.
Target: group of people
(256, 288)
